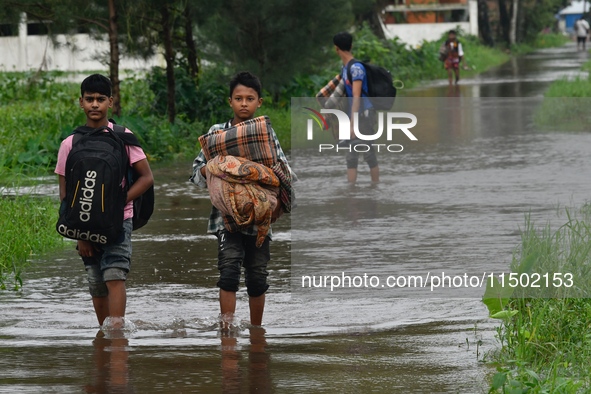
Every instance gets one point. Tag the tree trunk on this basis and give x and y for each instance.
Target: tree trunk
(513, 29)
(114, 59)
(169, 57)
(484, 23)
(192, 57)
(504, 21)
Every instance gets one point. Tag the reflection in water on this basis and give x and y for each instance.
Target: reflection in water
(259, 378)
(111, 367)
(258, 362)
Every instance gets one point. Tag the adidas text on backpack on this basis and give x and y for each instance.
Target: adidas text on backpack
(380, 85)
(95, 195)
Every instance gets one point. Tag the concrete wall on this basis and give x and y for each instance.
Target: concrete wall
(78, 52)
(414, 33)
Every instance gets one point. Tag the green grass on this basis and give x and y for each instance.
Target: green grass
(566, 105)
(542, 40)
(28, 229)
(545, 334)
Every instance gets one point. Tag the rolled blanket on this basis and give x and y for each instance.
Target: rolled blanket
(251, 139)
(286, 193)
(332, 94)
(244, 191)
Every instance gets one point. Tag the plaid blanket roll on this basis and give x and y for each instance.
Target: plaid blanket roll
(331, 95)
(250, 140)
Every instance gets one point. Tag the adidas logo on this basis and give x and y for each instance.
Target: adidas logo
(87, 195)
(83, 235)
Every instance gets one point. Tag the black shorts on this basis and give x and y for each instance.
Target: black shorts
(581, 39)
(237, 250)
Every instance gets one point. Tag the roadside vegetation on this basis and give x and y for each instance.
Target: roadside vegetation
(544, 332)
(566, 104)
(28, 230)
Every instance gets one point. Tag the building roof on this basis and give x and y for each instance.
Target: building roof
(576, 7)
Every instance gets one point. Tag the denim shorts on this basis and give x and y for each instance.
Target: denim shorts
(112, 262)
(236, 250)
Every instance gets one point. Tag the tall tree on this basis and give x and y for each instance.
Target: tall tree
(166, 15)
(114, 57)
(513, 25)
(192, 56)
(276, 39)
(369, 11)
(504, 21)
(60, 16)
(484, 23)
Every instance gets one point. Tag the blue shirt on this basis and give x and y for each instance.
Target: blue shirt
(357, 74)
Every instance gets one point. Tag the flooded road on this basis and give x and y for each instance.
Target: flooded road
(453, 200)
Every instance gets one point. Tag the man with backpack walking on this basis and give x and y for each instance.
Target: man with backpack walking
(96, 199)
(356, 87)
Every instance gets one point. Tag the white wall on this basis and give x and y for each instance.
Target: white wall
(76, 52)
(413, 34)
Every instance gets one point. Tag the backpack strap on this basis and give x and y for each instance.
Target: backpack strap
(350, 78)
(80, 131)
(127, 138)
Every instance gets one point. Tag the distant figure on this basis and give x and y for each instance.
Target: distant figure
(452, 54)
(582, 30)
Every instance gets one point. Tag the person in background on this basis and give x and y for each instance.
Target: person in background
(454, 56)
(582, 31)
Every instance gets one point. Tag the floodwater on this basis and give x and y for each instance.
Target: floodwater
(453, 200)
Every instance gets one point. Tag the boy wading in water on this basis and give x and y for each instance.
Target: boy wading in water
(237, 249)
(355, 77)
(107, 264)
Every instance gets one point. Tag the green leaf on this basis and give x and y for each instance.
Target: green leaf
(527, 263)
(495, 296)
(498, 380)
(504, 314)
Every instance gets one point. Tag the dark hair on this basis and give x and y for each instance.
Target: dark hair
(343, 40)
(247, 79)
(96, 83)
(452, 32)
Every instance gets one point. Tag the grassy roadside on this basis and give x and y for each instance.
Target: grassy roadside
(545, 341)
(566, 104)
(28, 229)
(544, 333)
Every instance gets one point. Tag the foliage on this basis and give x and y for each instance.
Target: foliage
(412, 65)
(566, 104)
(186, 92)
(28, 228)
(540, 41)
(36, 113)
(537, 17)
(275, 39)
(545, 340)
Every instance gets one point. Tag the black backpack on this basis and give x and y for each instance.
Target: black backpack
(95, 197)
(143, 206)
(380, 86)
